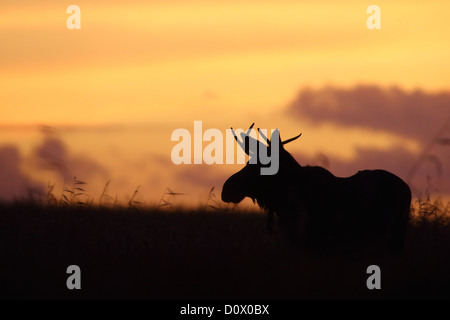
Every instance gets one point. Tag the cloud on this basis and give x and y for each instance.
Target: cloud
(414, 114)
(48, 161)
(52, 154)
(423, 117)
(14, 183)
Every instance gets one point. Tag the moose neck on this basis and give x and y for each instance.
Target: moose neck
(272, 192)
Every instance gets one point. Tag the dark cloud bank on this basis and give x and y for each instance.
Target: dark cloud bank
(416, 115)
(50, 155)
(413, 114)
(14, 183)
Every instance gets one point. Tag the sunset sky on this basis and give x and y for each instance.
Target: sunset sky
(136, 70)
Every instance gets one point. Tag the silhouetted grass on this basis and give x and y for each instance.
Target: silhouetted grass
(133, 252)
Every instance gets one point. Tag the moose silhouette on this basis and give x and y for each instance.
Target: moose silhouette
(318, 208)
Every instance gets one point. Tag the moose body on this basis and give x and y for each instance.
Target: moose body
(315, 206)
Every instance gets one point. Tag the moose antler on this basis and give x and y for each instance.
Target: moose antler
(245, 139)
(291, 139)
(250, 128)
(283, 142)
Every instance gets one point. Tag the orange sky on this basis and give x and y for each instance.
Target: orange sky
(165, 60)
(233, 62)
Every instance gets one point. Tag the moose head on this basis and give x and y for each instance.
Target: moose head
(265, 189)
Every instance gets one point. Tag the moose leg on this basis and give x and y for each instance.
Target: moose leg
(270, 221)
(396, 236)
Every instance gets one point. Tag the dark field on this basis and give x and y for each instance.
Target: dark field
(145, 253)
